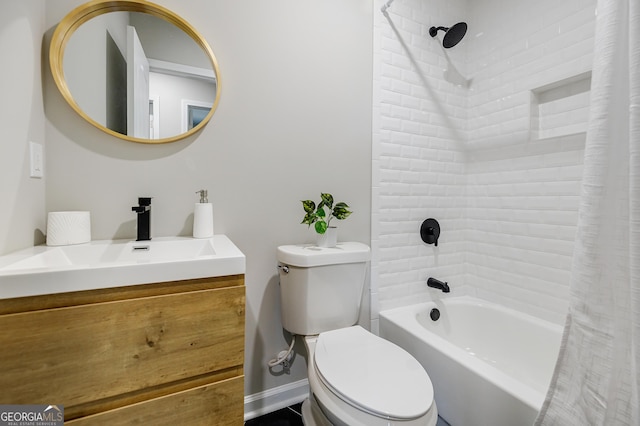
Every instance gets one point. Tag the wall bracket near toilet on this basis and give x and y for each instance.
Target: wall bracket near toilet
(430, 231)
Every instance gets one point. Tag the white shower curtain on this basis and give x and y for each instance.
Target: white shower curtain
(597, 376)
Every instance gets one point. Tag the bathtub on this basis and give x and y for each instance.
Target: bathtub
(489, 365)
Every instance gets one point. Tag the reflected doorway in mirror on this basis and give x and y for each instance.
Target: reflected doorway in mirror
(193, 112)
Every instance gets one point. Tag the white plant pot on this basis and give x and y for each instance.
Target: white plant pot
(329, 238)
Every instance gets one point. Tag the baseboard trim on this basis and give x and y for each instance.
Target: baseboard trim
(271, 400)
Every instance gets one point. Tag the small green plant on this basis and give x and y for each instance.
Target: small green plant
(318, 217)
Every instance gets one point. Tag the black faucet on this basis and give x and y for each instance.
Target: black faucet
(432, 282)
(144, 218)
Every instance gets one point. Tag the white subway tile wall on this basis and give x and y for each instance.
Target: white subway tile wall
(562, 109)
(466, 135)
(419, 152)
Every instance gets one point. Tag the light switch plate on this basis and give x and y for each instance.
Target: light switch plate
(37, 160)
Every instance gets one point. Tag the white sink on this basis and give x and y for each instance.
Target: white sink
(115, 263)
(98, 253)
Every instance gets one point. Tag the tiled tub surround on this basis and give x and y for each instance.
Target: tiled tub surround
(497, 160)
(418, 154)
(521, 214)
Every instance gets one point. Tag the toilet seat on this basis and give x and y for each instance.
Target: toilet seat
(372, 375)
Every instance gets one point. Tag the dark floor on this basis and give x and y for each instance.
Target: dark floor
(289, 416)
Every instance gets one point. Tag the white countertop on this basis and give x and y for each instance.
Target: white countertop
(44, 270)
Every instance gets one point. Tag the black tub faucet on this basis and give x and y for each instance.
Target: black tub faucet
(143, 209)
(432, 282)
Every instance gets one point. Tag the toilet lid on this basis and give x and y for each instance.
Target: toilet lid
(373, 374)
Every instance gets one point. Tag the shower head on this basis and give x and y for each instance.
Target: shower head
(452, 35)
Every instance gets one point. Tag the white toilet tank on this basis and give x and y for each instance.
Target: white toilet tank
(321, 287)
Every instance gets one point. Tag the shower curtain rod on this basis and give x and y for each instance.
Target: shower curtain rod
(384, 8)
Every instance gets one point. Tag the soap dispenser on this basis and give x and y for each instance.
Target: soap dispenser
(203, 217)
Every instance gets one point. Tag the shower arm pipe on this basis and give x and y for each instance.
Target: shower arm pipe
(384, 8)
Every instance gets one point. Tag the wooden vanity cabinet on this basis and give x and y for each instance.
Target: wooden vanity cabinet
(155, 354)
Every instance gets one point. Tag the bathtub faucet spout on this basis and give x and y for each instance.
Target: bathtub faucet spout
(432, 282)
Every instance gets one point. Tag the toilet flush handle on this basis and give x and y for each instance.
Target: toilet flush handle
(283, 268)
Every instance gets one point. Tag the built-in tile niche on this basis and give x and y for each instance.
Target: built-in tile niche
(561, 108)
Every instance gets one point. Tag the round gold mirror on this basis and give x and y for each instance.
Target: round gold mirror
(135, 70)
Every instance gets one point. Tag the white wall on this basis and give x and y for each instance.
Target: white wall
(165, 42)
(294, 120)
(85, 62)
(522, 191)
(22, 203)
(507, 200)
(418, 154)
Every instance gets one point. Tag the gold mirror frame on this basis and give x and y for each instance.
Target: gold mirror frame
(87, 11)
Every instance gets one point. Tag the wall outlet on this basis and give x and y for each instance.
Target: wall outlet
(37, 160)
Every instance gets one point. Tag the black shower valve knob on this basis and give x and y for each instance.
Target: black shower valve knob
(430, 231)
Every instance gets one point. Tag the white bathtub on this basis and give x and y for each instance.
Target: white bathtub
(489, 365)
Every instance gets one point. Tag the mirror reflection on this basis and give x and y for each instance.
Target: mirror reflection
(139, 75)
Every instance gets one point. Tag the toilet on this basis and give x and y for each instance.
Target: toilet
(355, 377)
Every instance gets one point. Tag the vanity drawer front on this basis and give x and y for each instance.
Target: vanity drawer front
(85, 353)
(217, 404)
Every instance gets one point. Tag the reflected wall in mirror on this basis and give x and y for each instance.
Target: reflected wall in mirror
(135, 70)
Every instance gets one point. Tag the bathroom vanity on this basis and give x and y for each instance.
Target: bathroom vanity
(162, 352)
